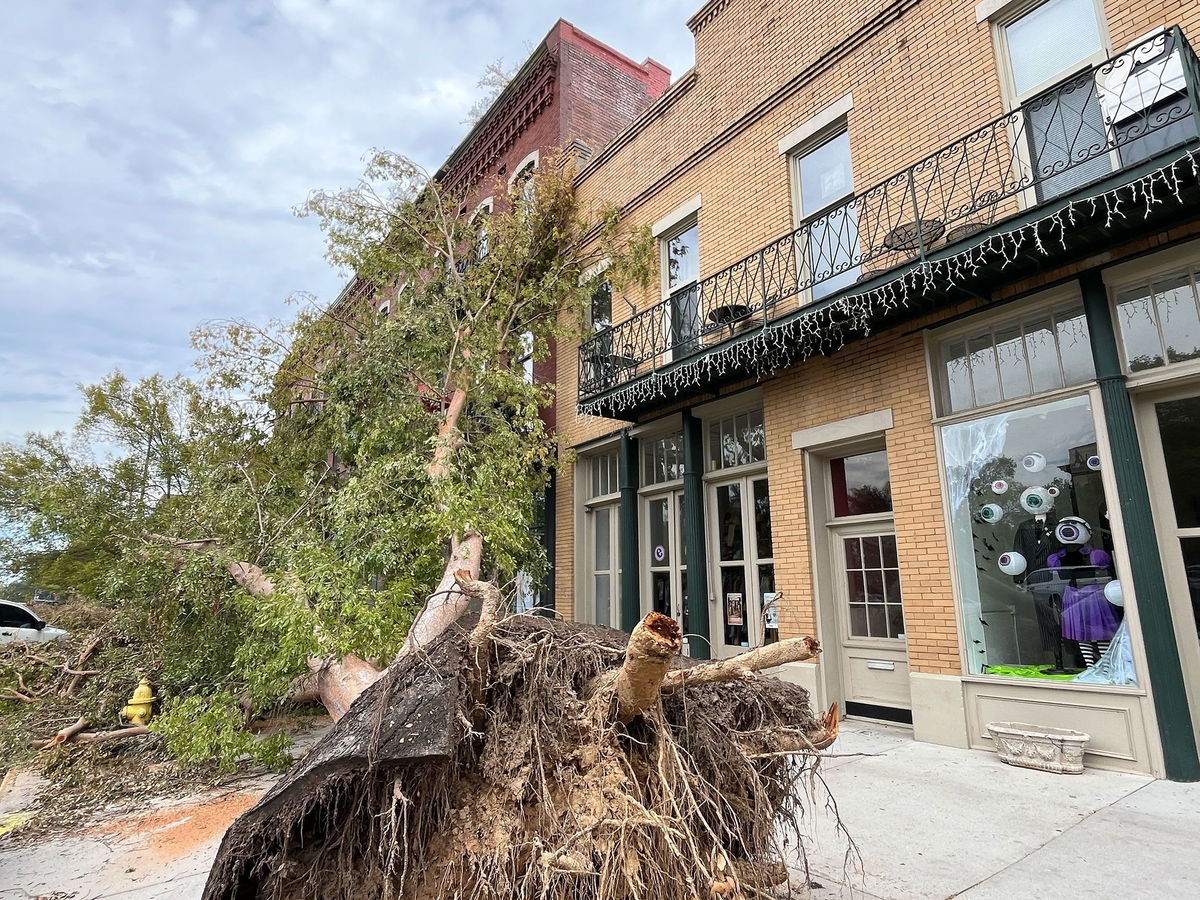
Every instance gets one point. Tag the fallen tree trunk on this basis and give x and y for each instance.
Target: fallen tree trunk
(523, 756)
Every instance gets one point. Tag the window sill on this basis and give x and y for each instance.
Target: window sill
(1057, 685)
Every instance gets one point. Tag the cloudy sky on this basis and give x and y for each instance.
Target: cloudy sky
(153, 151)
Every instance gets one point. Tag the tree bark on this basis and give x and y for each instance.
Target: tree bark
(745, 665)
(636, 685)
(448, 601)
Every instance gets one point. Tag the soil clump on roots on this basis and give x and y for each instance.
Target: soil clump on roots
(510, 768)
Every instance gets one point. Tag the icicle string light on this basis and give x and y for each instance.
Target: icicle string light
(826, 330)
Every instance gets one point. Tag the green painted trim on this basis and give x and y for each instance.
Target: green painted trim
(1154, 609)
(699, 640)
(627, 527)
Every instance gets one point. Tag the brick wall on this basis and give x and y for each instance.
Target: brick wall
(922, 73)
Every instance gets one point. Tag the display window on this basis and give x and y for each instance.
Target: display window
(1033, 546)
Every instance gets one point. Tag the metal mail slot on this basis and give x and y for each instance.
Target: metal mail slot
(881, 664)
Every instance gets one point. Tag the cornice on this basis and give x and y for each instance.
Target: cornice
(705, 15)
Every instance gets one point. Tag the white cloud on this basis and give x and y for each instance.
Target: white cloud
(153, 153)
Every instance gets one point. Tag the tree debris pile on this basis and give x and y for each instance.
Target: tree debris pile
(508, 773)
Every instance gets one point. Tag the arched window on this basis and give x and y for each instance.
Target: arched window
(479, 219)
(521, 182)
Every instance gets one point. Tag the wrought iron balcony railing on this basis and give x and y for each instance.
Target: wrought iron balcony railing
(1106, 118)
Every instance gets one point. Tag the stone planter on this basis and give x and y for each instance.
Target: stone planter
(1039, 747)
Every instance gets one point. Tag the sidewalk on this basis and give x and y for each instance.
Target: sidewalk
(929, 822)
(937, 822)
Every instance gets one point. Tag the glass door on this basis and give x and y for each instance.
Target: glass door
(605, 574)
(666, 557)
(1173, 444)
(744, 565)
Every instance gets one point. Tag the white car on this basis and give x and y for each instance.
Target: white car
(20, 623)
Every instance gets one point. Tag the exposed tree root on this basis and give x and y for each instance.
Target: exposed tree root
(420, 792)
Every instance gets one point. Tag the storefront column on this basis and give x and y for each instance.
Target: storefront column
(1154, 611)
(627, 528)
(693, 537)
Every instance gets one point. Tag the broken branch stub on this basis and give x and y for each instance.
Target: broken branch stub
(652, 646)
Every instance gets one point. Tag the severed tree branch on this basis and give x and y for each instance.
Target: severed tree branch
(745, 665)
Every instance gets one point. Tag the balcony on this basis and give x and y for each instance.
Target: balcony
(1096, 130)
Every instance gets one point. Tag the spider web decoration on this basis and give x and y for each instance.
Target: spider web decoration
(827, 329)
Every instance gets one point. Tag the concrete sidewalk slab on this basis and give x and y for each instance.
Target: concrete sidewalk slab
(1143, 846)
(162, 852)
(933, 822)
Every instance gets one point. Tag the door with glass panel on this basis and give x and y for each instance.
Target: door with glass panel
(1171, 425)
(605, 573)
(743, 563)
(865, 568)
(665, 556)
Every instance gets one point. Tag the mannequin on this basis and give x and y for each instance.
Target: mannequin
(1088, 618)
(1034, 539)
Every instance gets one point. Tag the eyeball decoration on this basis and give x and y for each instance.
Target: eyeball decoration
(1114, 593)
(991, 513)
(1012, 563)
(1053, 491)
(1073, 530)
(999, 486)
(1093, 463)
(1036, 500)
(1033, 462)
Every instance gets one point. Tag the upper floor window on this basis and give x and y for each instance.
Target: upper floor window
(822, 183)
(662, 458)
(1064, 139)
(600, 307)
(525, 360)
(1052, 40)
(480, 221)
(681, 257)
(1038, 352)
(1159, 319)
(737, 441)
(522, 183)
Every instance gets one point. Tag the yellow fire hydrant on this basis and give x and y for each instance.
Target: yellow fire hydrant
(140, 704)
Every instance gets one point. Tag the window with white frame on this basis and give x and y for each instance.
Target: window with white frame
(822, 183)
(525, 360)
(600, 307)
(1017, 357)
(603, 474)
(662, 458)
(600, 548)
(1159, 319)
(1030, 536)
(522, 183)
(1040, 47)
(736, 440)
(680, 254)
(480, 221)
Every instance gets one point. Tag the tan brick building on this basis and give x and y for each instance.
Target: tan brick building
(920, 372)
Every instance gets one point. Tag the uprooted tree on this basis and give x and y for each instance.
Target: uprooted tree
(336, 515)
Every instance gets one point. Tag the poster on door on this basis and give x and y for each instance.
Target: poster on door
(770, 609)
(735, 609)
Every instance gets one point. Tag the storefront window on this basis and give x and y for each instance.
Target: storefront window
(1033, 546)
(1160, 321)
(662, 459)
(737, 441)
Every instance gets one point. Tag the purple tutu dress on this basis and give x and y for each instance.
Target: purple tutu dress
(1086, 613)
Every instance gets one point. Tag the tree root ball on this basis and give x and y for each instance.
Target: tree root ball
(423, 791)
